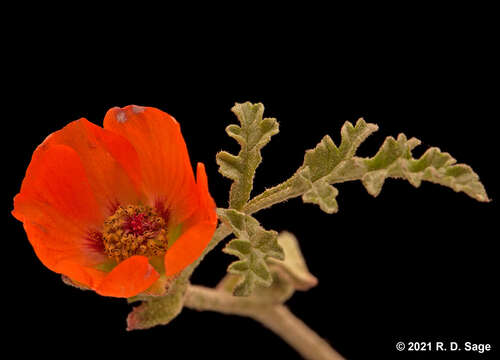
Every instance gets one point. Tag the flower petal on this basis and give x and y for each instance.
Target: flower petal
(109, 160)
(166, 169)
(207, 203)
(129, 278)
(55, 237)
(188, 247)
(57, 208)
(83, 275)
(201, 227)
(56, 178)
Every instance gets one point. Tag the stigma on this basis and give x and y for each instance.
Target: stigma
(134, 230)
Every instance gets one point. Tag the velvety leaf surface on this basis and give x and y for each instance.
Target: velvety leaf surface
(252, 134)
(253, 245)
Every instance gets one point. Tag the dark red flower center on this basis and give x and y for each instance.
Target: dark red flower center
(138, 224)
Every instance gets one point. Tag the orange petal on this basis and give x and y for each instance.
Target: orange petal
(63, 259)
(201, 227)
(129, 278)
(207, 203)
(56, 178)
(166, 169)
(81, 274)
(55, 237)
(109, 160)
(57, 208)
(188, 247)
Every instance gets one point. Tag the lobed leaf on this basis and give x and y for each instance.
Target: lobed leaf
(322, 161)
(253, 245)
(326, 156)
(395, 160)
(328, 164)
(253, 133)
(319, 192)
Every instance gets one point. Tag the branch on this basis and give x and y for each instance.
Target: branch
(327, 164)
(275, 317)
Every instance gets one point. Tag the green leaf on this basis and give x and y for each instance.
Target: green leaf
(253, 245)
(158, 310)
(328, 164)
(319, 192)
(326, 158)
(294, 264)
(395, 160)
(253, 133)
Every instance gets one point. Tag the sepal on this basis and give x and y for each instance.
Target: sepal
(70, 282)
(157, 310)
(280, 290)
(294, 264)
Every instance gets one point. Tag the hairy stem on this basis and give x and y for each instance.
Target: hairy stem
(275, 317)
(274, 195)
(293, 187)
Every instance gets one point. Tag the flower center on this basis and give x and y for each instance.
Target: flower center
(134, 230)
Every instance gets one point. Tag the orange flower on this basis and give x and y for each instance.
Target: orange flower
(117, 209)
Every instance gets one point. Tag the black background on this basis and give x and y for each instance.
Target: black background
(411, 264)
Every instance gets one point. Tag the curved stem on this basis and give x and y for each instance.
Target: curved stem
(275, 317)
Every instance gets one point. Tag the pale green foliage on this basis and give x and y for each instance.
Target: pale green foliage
(253, 245)
(323, 166)
(253, 133)
(324, 159)
(328, 164)
(394, 159)
(288, 274)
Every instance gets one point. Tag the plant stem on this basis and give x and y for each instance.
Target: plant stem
(274, 195)
(275, 317)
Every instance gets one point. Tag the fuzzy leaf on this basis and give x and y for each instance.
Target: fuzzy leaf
(294, 264)
(395, 160)
(319, 192)
(328, 164)
(324, 159)
(253, 246)
(252, 134)
(158, 310)
(326, 156)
